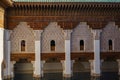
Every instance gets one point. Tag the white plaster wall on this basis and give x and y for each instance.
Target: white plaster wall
(111, 31)
(53, 32)
(82, 32)
(22, 32)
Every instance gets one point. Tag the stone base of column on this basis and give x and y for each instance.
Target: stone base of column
(95, 75)
(67, 75)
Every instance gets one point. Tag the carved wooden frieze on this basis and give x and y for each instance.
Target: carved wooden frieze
(18, 56)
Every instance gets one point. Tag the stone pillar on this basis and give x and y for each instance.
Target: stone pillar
(8, 58)
(1, 38)
(91, 67)
(37, 70)
(7, 54)
(12, 69)
(118, 60)
(67, 71)
(33, 63)
(42, 66)
(72, 64)
(4, 4)
(96, 63)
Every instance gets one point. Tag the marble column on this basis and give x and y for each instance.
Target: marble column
(4, 4)
(7, 51)
(67, 63)
(37, 70)
(8, 58)
(96, 62)
(12, 69)
(42, 68)
(118, 60)
(91, 67)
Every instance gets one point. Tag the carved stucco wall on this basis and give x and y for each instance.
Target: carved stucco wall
(22, 32)
(82, 32)
(53, 32)
(110, 32)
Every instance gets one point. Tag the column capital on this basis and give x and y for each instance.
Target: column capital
(37, 34)
(96, 33)
(67, 34)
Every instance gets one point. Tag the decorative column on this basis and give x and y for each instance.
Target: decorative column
(37, 70)
(91, 67)
(96, 63)
(8, 58)
(42, 66)
(4, 4)
(118, 60)
(12, 69)
(67, 63)
(72, 64)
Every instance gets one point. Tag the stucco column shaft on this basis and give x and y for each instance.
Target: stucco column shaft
(1, 39)
(96, 63)
(67, 70)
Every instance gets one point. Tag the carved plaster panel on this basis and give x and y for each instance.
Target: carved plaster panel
(53, 32)
(110, 32)
(82, 32)
(22, 32)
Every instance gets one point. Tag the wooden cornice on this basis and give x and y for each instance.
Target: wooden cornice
(67, 14)
(64, 8)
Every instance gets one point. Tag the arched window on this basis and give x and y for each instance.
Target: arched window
(23, 45)
(52, 44)
(81, 45)
(110, 45)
